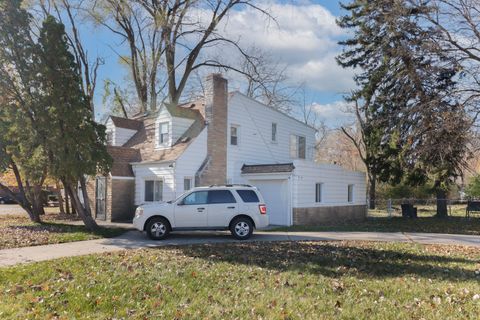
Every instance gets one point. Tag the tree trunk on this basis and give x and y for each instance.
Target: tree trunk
(37, 200)
(87, 218)
(67, 202)
(442, 211)
(60, 198)
(372, 192)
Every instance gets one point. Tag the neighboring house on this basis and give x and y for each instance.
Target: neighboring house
(224, 138)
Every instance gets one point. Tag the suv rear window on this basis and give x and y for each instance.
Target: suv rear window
(220, 196)
(248, 195)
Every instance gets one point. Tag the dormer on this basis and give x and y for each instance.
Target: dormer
(172, 122)
(120, 130)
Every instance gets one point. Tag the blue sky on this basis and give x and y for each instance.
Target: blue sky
(305, 40)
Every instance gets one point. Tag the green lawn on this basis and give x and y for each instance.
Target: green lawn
(452, 225)
(18, 231)
(289, 280)
(378, 220)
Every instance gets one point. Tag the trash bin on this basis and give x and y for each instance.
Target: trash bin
(408, 210)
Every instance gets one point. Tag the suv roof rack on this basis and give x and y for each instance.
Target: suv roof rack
(231, 185)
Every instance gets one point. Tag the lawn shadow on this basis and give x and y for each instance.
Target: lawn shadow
(59, 228)
(332, 260)
(450, 225)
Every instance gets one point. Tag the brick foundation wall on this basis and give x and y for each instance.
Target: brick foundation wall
(122, 201)
(323, 215)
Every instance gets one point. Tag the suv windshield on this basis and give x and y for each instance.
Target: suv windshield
(196, 197)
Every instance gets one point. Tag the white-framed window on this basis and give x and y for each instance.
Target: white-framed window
(187, 183)
(163, 133)
(298, 146)
(153, 190)
(318, 192)
(350, 193)
(274, 132)
(234, 133)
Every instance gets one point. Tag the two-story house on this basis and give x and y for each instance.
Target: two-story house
(224, 138)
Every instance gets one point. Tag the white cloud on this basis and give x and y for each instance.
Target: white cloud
(335, 114)
(304, 37)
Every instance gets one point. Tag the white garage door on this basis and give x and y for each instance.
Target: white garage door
(275, 193)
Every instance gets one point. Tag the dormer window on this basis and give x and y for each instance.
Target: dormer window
(163, 133)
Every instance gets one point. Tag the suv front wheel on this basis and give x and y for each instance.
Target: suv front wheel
(241, 228)
(158, 228)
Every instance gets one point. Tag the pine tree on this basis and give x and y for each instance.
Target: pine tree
(406, 84)
(21, 148)
(74, 142)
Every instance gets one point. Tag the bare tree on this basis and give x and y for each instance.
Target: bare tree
(267, 80)
(337, 148)
(71, 14)
(166, 39)
(459, 23)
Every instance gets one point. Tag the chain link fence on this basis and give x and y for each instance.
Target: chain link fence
(385, 208)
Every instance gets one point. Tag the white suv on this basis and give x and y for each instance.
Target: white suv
(238, 208)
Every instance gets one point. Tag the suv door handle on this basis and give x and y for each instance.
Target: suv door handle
(230, 207)
(200, 209)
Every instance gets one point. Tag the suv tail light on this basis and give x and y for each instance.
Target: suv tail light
(263, 209)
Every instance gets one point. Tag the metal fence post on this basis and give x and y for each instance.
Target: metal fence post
(389, 208)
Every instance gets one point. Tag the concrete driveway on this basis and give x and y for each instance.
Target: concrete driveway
(136, 240)
(11, 209)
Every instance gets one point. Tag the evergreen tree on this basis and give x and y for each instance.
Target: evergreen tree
(75, 143)
(407, 85)
(21, 148)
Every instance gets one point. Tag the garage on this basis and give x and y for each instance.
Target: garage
(275, 193)
(274, 183)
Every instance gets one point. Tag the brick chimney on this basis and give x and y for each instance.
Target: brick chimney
(216, 115)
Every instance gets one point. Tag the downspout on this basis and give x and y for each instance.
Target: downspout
(173, 165)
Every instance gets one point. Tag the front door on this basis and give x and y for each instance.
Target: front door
(191, 212)
(100, 196)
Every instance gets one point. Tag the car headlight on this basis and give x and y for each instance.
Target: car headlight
(139, 212)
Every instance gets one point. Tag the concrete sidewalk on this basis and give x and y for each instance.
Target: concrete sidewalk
(135, 240)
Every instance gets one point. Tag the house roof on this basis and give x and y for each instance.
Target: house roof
(238, 93)
(122, 157)
(144, 141)
(188, 110)
(268, 168)
(126, 123)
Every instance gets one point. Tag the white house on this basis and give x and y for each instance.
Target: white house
(225, 138)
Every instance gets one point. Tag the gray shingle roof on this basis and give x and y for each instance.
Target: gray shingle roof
(268, 168)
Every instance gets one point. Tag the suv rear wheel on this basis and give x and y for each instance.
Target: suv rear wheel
(241, 228)
(158, 228)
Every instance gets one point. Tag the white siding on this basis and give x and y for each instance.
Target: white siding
(119, 135)
(110, 130)
(163, 116)
(177, 127)
(335, 181)
(122, 135)
(255, 144)
(191, 160)
(153, 172)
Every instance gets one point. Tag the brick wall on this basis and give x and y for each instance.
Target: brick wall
(91, 194)
(323, 215)
(122, 202)
(216, 114)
